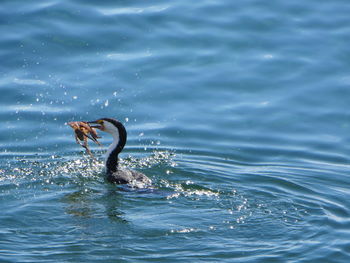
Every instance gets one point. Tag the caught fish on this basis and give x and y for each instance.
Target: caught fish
(83, 131)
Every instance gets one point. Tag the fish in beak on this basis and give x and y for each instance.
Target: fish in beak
(83, 131)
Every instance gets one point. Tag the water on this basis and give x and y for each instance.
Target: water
(237, 110)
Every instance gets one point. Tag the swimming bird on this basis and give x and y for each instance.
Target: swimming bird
(114, 173)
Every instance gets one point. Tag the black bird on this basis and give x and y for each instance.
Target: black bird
(113, 172)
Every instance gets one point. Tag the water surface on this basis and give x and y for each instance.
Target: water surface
(237, 110)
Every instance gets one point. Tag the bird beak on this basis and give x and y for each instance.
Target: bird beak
(98, 125)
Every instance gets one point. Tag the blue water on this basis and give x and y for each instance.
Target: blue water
(237, 110)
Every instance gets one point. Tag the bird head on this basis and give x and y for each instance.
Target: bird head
(109, 125)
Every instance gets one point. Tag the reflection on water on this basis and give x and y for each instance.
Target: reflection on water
(89, 203)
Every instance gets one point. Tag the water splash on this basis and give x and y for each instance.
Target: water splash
(156, 158)
(73, 168)
(187, 189)
(231, 209)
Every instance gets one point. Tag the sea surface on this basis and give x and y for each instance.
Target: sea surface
(237, 110)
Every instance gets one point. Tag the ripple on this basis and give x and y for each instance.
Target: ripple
(129, 56)
(29, 82)
(36, 108)
(132, 10)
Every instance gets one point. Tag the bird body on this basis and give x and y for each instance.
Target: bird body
(114, 173)
(126, 176)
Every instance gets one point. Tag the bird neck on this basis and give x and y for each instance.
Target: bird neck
(114, 149)
(112, 155)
